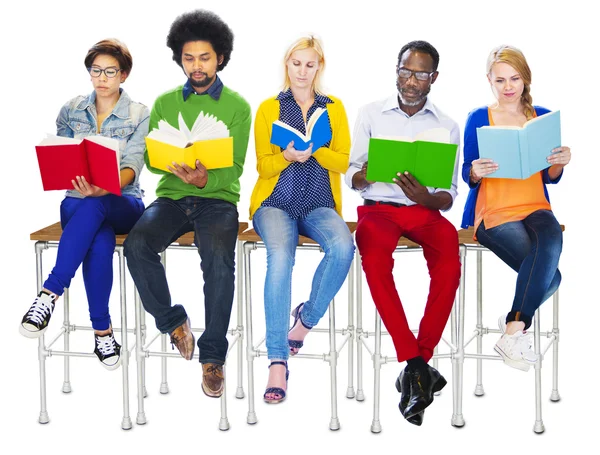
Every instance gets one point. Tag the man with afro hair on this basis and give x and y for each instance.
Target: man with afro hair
(195, 199)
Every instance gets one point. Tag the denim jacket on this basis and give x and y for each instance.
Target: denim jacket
(128, 123)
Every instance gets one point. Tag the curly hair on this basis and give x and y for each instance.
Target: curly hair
(201, 25)
(425, 48)
(114, 48)
(515, 58)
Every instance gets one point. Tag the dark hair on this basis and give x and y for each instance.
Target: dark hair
(424, 47)
(201, 25)
(114, 48)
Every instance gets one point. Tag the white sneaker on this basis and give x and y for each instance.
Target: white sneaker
(108, 351)
(35, 322)
(502, 323)
(516, 350)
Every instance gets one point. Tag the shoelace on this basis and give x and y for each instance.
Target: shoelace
(106, 344)
(214, 369)
(39, 310)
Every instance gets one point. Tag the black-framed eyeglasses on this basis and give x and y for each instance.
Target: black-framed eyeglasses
(110, 72)
(405, 73)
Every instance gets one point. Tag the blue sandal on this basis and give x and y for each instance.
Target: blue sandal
(277, 390)
(296, 344)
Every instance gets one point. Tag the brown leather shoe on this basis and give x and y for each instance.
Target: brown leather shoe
(183, 338)
(212, 379)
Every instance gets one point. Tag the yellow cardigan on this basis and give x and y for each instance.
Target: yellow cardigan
(270, 161)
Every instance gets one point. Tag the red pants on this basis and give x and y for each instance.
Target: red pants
(377, 234)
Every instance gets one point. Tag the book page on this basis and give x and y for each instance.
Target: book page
(52, 139)
(313, 119)
(441, 135)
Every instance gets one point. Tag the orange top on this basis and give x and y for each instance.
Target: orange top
(504, 200)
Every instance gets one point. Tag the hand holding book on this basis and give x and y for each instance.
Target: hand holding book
(293, 155)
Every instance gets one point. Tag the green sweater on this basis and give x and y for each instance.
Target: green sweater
(231, 109)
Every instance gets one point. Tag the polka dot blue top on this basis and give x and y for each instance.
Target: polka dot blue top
(302, 187)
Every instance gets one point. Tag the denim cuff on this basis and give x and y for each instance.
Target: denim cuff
(217, 361)
(519, 316)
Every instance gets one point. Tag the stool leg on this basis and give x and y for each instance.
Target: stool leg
(164, 386)
(140, 360)
(459, 358)
(360, 394)
(224, 422)
(539, 424)
(555, 396)
(334, 423)
(376, 425)
(126, 423)
(66, 388)
(42, 353)
(250, 354)
(479, 385)
(434, 361)
(239, 392)
(142, 344)
(350, 390)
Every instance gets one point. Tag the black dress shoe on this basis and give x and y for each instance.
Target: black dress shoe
(416, 419)
(422, 386)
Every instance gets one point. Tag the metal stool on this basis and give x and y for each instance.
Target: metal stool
(49, 237)
(468, 244)
(404, 246)
(142, 345)
(249, 241)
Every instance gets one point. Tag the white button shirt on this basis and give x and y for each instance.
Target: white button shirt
(385, 118)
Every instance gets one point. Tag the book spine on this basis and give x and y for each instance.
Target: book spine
(524, 153)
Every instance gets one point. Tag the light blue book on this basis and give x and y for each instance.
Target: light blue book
(318, 132)
(520, 152)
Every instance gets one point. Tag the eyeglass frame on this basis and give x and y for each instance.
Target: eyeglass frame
(103, 70)
(414, 73)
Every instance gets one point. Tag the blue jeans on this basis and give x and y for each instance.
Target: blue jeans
(89, 227)
(280, 234)
(532, 248)
(215, 226)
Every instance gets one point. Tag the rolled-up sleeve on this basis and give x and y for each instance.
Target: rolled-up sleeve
(133, 155)
(360, 145)
(453, 191)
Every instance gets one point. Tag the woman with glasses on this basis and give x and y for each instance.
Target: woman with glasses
(298, 193)
(90, 216)
(513, 217)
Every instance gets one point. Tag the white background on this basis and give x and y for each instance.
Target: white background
(43, 47)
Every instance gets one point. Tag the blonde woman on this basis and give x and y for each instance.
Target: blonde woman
(513, 218)
(299, 193)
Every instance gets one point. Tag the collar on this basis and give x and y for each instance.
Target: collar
(320, 100)
(391, 103)
(120, 110)
(214, 91)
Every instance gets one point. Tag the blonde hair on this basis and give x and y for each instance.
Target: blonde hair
(515, 58)
(306, 42)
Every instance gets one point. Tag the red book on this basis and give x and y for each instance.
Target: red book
(96, 158)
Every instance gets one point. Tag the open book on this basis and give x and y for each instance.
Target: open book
(208, 141)
(96, 158)
(318, 132)
(520, 152)
(429, 157)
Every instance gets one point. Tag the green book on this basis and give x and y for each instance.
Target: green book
(430, 162)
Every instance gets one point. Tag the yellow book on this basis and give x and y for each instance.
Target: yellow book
(212, 153)
(207, 141)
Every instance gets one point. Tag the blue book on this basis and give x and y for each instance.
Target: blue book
(318, 132)
(520, 152)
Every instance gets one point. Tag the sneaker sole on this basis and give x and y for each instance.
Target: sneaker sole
(31, 334)
(111, 367)
(510, 362)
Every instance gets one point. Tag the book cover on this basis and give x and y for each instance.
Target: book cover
(208, 141)
(318, 131)
(96, 158)
(429, 157)
(520, 152)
